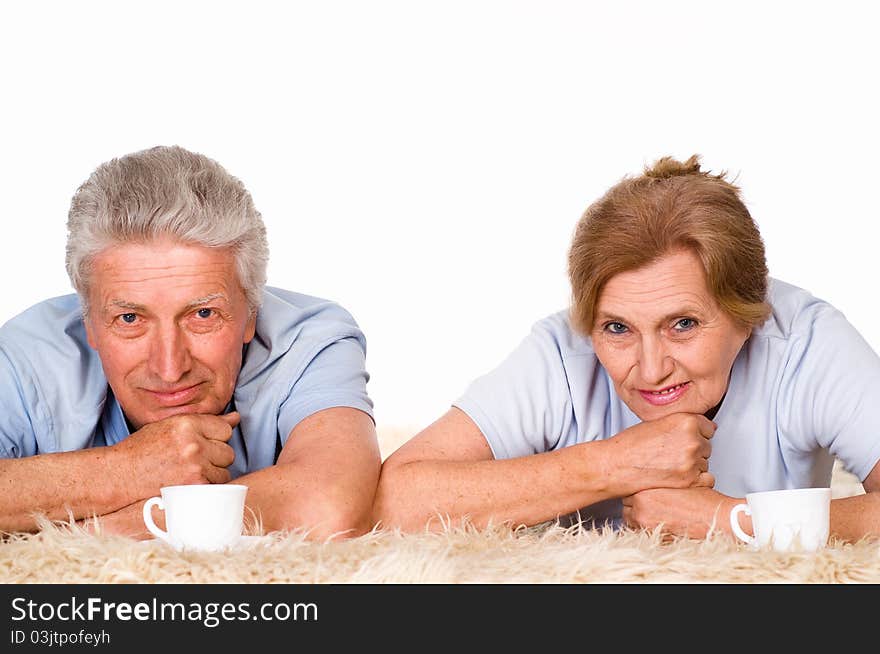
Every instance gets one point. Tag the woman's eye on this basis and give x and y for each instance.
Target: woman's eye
(204, 313)
(685, 324)
(615, 327)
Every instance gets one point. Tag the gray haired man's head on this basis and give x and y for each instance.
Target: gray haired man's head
(166, 192)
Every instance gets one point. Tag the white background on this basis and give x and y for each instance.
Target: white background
(424, 163)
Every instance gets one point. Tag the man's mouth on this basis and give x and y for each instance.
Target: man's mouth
(175, 396)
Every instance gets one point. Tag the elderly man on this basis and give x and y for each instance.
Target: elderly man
(174, 365)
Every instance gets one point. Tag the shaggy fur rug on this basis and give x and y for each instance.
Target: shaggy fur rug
(548, 554)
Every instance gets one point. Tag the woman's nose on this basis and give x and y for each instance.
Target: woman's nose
(655, 364)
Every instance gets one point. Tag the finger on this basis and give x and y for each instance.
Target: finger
(705, 448)
(706, 427)
(219, 428)
(705, 480)
(219, 454)
(216, 475)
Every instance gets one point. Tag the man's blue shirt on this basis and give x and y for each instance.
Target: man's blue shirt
(308, 354)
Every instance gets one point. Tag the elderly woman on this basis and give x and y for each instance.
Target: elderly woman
(681, 378)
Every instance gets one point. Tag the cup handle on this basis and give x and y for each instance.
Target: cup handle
(148, 518)
(734, 523)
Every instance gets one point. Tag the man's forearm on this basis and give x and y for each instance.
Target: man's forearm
(324, 480)
(321, 501)
(59, 486)
(127, 521)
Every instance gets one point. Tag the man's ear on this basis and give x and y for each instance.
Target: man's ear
(251, 328)
(90, 335)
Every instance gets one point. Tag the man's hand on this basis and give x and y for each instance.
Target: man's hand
(688, 512)
(182, 449)
(670, 452)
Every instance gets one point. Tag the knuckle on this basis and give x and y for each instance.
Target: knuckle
(190, 450)
(679, 418)
(180, 421)
(182, 432)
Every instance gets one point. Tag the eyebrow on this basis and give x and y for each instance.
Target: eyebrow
(133, 306)
(123, 304)
(206, 300)
(684, 311)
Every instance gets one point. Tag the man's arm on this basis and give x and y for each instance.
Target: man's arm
(60, 485)
(101, 480)
(324, 481)
(325, 477)
(447, 472)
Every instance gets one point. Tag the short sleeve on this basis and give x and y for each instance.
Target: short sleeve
(17, 437)
(335, 377)
(524, 405)
(832, 390)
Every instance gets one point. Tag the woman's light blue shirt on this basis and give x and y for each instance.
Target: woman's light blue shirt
(805, 388)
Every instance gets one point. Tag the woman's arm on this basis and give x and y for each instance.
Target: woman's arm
(853, 518)
(447, 472)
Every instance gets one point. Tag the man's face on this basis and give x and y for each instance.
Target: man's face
(664, 340)
(168, 321)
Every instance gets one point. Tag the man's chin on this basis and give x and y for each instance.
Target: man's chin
(156, 415)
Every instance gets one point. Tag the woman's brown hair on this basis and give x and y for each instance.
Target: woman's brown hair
(672, 205)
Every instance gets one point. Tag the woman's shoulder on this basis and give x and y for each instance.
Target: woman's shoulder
(795, 311)
(556, 331)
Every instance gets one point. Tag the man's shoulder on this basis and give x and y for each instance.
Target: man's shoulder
(46, 360)
(56, 320)
(292, 328)
(300, 307)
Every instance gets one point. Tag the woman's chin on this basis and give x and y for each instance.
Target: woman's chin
(646, 411)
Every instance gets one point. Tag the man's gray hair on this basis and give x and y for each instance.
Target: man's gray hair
(166, 192)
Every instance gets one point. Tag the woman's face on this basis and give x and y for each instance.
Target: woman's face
(664, 340)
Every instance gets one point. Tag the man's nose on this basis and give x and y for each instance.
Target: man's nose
(655, 363)
(170, 358)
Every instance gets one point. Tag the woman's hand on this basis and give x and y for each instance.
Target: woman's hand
(669, 452)
(688, 512)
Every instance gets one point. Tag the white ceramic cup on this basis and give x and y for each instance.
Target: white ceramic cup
(199, 516)
(786, 520)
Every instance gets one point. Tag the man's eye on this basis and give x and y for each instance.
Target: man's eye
(615, 327)
(685, 324)
(128, 318)
(205, 313)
